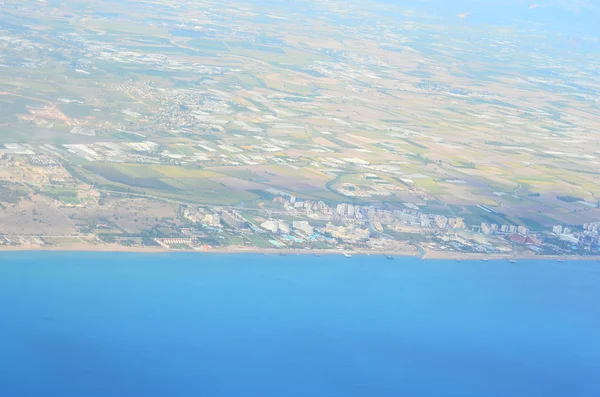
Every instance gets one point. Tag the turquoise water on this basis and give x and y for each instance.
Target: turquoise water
(96, 325)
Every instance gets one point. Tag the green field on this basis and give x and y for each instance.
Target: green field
(177, 183)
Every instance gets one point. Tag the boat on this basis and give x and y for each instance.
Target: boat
(512, 261)
(389, 257)
(317, 254)
(458, 260)
(282, 254)
(485, 259)
(560, 260)
(347, 256)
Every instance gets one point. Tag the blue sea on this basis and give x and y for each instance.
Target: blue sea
(142, 325)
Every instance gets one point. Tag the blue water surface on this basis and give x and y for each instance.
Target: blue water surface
(116, 324)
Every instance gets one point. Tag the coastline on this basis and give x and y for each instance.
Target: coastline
(114, 248)
(429, 255)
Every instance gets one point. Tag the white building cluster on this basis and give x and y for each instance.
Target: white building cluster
(493, 228)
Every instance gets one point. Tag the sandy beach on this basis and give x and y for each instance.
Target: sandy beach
(429, 254)
(227, 250)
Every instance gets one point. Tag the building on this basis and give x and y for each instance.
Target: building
(456, 223)
(569, 238)
(512, 229)
(270, 226)
(567, 230)
(304, 227)
(174, 242)
(520, 239)
(192, 215)
(504, 228)
(523, 230)
(517, 238)
(283, 227)
(589, 240)
(407, 217)
(213, 219)
(350, 233)
(486, 228)
(557, 229)
(533, 241)
(350, 210)
(441, 221)
(361, 234)
(234, 220)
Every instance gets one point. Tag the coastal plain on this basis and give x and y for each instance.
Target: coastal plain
(370, 127)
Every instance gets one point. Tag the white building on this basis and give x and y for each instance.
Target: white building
(557, 229)
(441, 221)
(457, 223)
(350, 210)
(213, 219)
(486, 229)
(283, 227)
(407, 217)
(569, 238)
(304, 227)
(271, 226)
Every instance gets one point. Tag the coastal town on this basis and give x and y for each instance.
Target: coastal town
(277, 222)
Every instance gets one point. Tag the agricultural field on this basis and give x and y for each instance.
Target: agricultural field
(193, 103)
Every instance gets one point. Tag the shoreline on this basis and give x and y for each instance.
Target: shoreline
(429, 255)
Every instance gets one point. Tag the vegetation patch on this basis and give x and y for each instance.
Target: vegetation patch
(12, 193)
(569, 199)
(113, 174)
